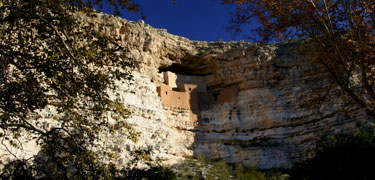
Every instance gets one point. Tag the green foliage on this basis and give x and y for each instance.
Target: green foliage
(219, 170)
(347, 156)
(343, 156)
(21, 169)
(18, 169)
(248, 174)
(49, 59)
(191, 168)
(277, 174)
(200, 168)
(153, 173)
(69, 161)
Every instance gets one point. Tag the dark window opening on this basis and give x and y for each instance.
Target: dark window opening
(215, 95)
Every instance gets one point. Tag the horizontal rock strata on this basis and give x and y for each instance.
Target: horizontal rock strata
(254, 101)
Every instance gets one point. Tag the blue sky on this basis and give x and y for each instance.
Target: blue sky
(203, 20)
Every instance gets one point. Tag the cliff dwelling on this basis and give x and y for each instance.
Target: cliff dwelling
(190, 92)
(179, 94)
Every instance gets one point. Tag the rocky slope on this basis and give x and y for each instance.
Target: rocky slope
(253, 101)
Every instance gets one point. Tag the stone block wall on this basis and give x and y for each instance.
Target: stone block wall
(173, 98)
(185, 97)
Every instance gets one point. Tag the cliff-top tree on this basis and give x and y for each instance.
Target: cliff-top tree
(339, 35)
(49, 59)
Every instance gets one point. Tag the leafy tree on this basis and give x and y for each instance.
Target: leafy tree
(49, 59)
(339, 35)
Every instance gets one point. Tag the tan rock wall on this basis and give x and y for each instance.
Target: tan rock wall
(259, 118)
(228, 95)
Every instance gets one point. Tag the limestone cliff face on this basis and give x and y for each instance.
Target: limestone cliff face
(251, 100)
(269, 125)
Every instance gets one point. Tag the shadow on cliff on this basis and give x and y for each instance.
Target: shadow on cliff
(286, 85)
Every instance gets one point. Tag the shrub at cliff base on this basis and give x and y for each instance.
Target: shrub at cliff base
(343, 156)
(203, 169)
(349, 156)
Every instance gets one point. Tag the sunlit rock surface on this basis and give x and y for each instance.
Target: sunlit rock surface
(253, 102)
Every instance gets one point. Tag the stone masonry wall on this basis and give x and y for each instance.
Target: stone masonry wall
(184, 97)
